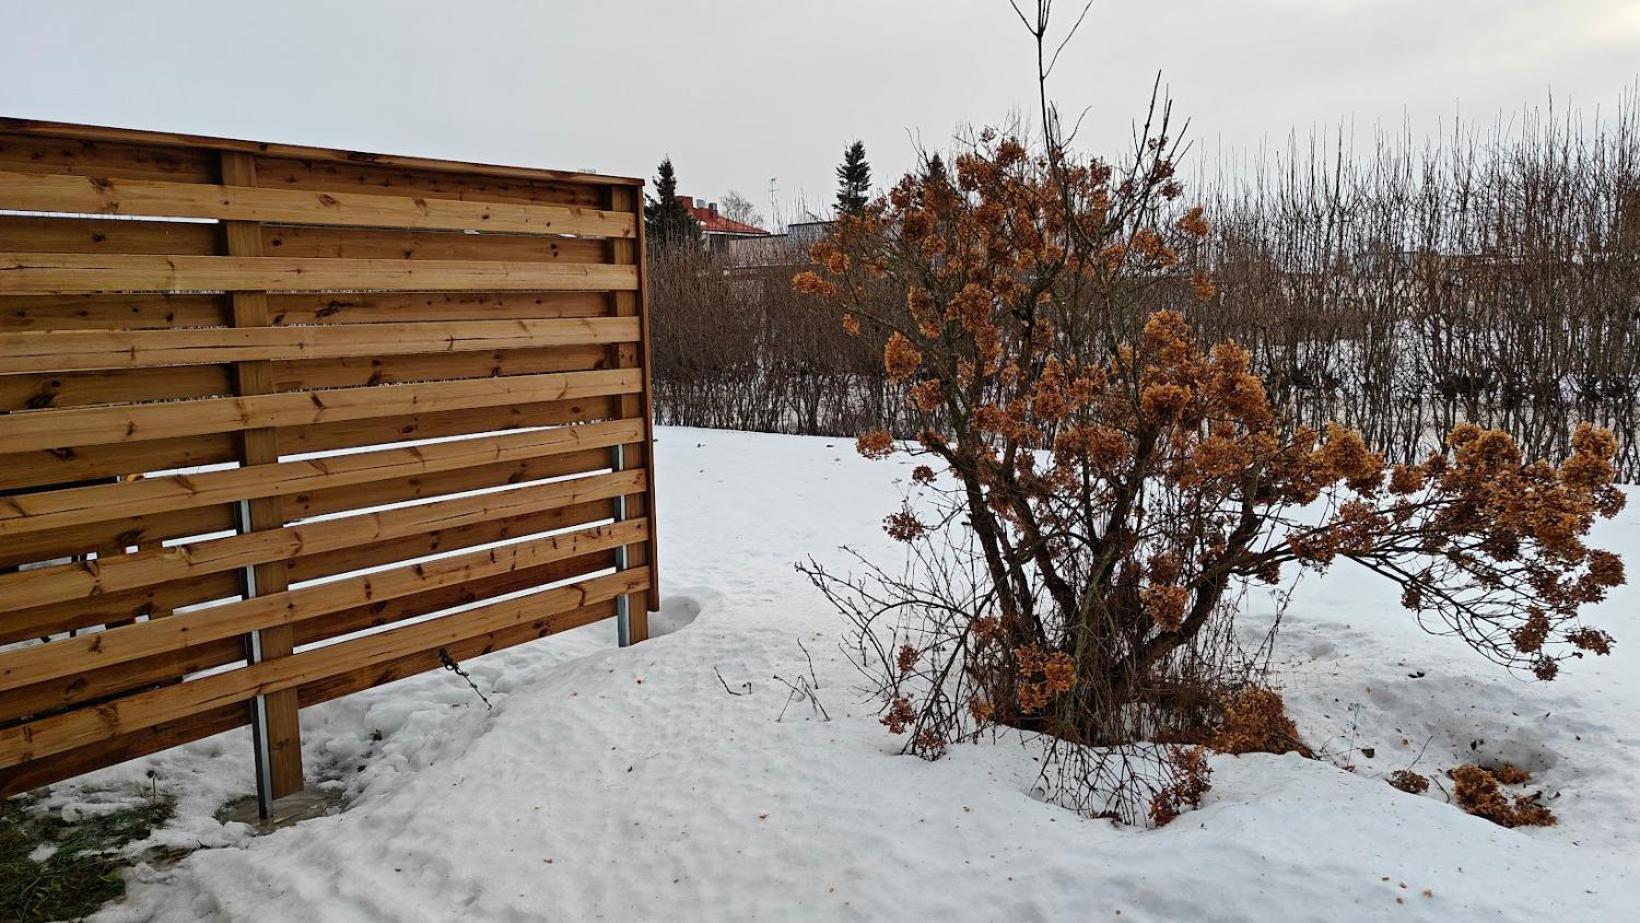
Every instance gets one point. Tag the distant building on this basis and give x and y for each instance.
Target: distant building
(719, 229)
(778, 250)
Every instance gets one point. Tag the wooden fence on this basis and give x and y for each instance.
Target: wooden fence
(278, 424)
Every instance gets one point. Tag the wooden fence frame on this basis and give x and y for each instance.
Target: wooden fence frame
(282, 423)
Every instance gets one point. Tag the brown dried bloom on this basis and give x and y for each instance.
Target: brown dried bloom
(1202, 287)
(924, 311)
(810, 283)
(875, 444)
(1479, 792)
(1153, 252)
(1605, 568)
(1255, 721)
(1408, 781)
(1590, 464)
(1406, 479)
(906, 658)
(1545, 668)
(904, 526)
(1194, 222)
(927, 395)
(1049, 402)
(1528, 637)
(929, 744)
(1345, 456)
(1165, 605)
(1592, 640)
(1191, 781)
(1163, 403)
(900, 715)
(900, 358)
(1060, 671)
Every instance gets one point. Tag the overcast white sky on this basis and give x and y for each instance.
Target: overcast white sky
(742, 91)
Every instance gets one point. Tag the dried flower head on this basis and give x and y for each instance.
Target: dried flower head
(875, 444)
(1408, 781)
(900, 358)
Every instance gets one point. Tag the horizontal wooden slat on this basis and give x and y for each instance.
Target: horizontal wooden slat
(380, 614)
(36, 469)
(310, 503)
(58, 583)
(168, 311)
(56, 509)
(117, 645)
(113, 534)
(380, 307)
(187, 144)
(117, 535)
(64, 273)
(125, 312)
(322, 174)
(85, 350)
(312, 374)
(47, 467)
(25, 703)
(502, 528)
(47, 770)
(53, 695)
(26, 153)
(323, 437)
(64, 732)
(37, 234)
(378, 673)
(404, 244)
(56, 429)
(146, 602)
(40, 390)
(105, 195)
(121, 747)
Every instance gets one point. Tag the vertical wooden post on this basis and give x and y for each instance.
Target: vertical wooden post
(274, 723)
(628, 252)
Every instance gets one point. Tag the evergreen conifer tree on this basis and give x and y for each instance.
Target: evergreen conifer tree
(853, 180)
(666, 222)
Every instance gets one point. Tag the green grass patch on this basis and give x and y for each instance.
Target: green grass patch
(81, 871)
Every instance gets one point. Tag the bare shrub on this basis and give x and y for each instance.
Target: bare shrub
(735, 349)
(1094, 496)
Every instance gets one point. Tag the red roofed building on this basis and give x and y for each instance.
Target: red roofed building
(718, 229)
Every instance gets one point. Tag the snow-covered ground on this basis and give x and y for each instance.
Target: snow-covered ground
(630, 785)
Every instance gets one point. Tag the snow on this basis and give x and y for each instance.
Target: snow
(631, 785)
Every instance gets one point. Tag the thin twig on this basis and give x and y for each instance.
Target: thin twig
(748, 684)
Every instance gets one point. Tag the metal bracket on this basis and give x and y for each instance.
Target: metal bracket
(259, 704)
(623, 613)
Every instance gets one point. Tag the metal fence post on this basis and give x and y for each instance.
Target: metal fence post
(623, 605)
(259, 704)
